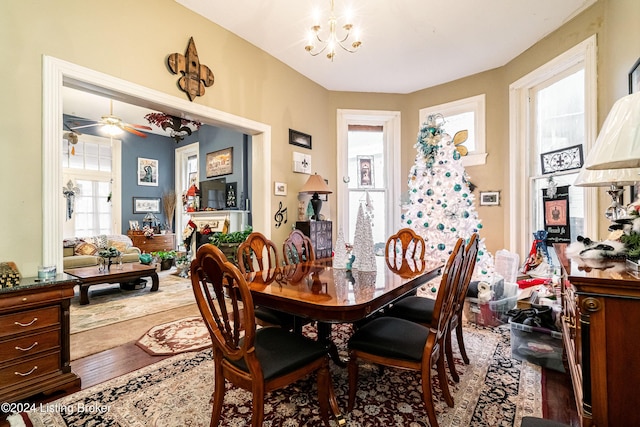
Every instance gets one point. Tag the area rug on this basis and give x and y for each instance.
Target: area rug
(176, 337)
(108, 304)
(494, 390)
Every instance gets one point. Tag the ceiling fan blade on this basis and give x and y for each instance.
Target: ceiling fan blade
(139, 126)
(133, 131)
(85, 126)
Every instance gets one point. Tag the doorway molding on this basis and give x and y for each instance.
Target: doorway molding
(57, 73)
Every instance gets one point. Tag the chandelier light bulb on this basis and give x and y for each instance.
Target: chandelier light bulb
(112, 130)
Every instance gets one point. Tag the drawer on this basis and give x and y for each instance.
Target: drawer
(29, 320)
(29, 345)
(29, 369)
(24, 300)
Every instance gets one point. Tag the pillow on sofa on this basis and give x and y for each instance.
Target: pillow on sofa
(86, 248)
(120, 242)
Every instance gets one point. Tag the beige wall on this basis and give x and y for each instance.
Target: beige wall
(130, 40)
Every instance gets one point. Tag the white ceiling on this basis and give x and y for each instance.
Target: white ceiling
(407, 45)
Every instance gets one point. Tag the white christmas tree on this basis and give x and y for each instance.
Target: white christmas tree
(340, 253)
(363, 244)
(440, 207)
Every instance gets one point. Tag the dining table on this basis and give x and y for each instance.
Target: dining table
(318, 291)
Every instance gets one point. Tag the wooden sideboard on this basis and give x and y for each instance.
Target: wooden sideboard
(159, 242)
(34, 338)
(601, 318)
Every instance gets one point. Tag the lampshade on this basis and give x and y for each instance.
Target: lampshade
(607, 177)
(315, 184)
(618, 144)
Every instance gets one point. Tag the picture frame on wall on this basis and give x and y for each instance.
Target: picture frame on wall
(220, 162)
(147, 172)
(365, 172)
(279, 188)
(146, 205)
(634, 78)
(489, 198)
(300, 139)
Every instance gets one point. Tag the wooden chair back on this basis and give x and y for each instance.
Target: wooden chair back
(405, 244)
(257, 253)
(297, 248)
(466, 273)
(213, 277)
(445, 299)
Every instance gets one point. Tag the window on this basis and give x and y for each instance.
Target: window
(464, 114)
(551, 108)
(369, 165)
(92, 165)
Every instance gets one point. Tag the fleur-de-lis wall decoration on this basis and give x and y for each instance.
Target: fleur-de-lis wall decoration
(195, 76)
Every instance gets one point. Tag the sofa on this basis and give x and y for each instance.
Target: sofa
(83, 251)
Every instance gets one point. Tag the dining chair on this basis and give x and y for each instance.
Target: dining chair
(405, 244)
(297, 248)
(257, 360)
(417, 347)
(257, 253)
(420, 309)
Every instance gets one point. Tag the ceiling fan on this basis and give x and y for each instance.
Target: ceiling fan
(113, 125)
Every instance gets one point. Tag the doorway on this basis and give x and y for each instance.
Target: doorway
(58, 73)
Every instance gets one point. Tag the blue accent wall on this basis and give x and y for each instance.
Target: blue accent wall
(162, 149)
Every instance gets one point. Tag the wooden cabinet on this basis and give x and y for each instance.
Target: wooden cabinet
(601, 315)
(320, 233)
(159, 242)
(34, 338)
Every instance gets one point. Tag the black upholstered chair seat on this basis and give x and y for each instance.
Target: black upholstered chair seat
(539, 422)
(414, 308)
(280, 352)
(391, 337)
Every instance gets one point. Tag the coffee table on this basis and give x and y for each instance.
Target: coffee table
(129, 271)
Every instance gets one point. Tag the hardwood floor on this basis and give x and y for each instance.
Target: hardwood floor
(557, 394)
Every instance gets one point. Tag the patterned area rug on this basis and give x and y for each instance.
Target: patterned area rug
(108, 304)
(494, 390)
(176, 337)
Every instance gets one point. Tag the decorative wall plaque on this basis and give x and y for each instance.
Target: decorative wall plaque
(195, 76)
(562, 160)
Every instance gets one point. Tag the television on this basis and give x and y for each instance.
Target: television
(212, 194)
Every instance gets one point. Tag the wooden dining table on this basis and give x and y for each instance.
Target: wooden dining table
(317, 291)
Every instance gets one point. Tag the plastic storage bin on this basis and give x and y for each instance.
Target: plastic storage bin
(539, 346)
(492, 313)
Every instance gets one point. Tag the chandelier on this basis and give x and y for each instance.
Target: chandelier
(332, 41)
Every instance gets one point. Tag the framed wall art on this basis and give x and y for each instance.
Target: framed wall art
(231, 195)
(220, 162)
(146, 205)
(634, 78)
(301, 163)
(489, 198)
(365, 171)
(147, 172)
(300, 139)
(279, 188)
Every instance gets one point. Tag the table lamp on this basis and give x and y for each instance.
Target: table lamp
(618, 144)
(614, 179)
(315, 185)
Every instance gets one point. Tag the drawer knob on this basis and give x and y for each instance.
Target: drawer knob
(26, 324)
(28, 348)
(27, 373)
(24, 299)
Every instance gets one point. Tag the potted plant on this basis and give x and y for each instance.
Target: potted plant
(229, 242)
(166, 258)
